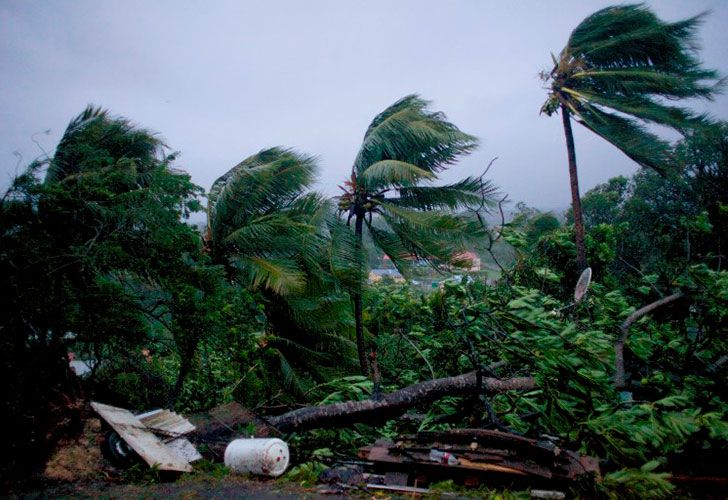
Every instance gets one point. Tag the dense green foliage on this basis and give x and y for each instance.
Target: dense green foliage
(100, 262)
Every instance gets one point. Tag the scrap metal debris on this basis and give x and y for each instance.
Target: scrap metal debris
(157, 436)
(477, 456)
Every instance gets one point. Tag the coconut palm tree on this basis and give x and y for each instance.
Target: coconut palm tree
(274, 236)
(619, 70)
(390, 196)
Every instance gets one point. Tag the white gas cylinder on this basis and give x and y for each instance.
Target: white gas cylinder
(267, 457)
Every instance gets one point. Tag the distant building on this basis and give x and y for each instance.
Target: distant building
(376, 275)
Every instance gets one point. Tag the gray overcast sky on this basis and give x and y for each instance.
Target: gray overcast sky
(222, 80)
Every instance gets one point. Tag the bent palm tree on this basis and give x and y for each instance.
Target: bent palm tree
(404, 148)
(273, 236)
(617, 70)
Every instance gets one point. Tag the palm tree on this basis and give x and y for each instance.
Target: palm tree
(390, 195)
(618, 70)
(274, 236)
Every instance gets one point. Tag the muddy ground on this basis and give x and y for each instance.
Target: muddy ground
(78, 469)
(227, 487)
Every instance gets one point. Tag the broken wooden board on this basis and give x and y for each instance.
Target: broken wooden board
(141, 439)
(166, 422)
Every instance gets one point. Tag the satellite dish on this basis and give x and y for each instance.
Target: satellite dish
(582, 285)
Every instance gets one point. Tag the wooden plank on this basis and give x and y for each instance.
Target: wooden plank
(141, 439)
(167, 422)
(183, 448)
(465, 463)
(400, 489)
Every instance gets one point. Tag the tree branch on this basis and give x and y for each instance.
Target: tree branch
(619, 379)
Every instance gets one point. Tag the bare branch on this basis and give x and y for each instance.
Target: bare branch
(619, 379)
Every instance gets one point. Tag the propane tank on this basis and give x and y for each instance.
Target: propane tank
(266, 457)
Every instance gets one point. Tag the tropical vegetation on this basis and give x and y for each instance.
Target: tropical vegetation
(269, 304)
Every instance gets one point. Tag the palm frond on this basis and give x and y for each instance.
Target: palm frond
(645, 148)
(427, 220)
(277, 274)
(408, 132)
(640, 81)
(392, 173)
(467, 193)
(400, 253)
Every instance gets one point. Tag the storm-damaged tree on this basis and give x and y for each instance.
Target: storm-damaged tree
(391, 196)
(619, 70)
(86, 251)
(273, 236)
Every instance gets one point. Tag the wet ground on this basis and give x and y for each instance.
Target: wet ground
(227, 487)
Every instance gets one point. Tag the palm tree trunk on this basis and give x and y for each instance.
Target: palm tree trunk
(575, 199)
(358, 316)
(371, 368)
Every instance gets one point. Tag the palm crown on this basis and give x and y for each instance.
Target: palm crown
(404, 149)
(261, 217)
(619, 70)
(623, 64)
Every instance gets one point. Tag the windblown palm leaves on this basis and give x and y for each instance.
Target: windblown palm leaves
(620, 69)
(260, 219)
(391, 194)
(274, 236)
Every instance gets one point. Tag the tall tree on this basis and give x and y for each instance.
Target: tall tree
(390, 195)
(84, 254)
(620, 67)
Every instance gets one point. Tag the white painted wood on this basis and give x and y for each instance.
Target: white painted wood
(168, 422)
(183, 448)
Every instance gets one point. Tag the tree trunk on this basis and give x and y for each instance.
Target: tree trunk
(394, 404)
(357, 297)
(187, 357)
(575, 199)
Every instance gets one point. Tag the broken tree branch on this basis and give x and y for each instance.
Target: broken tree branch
(393, 404)
(619, 378)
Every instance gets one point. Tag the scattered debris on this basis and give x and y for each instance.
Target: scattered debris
(475, 456)
(349, 474)
(157, 436)
(443, 457)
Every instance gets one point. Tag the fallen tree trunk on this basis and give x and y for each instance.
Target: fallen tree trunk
(393, 404)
